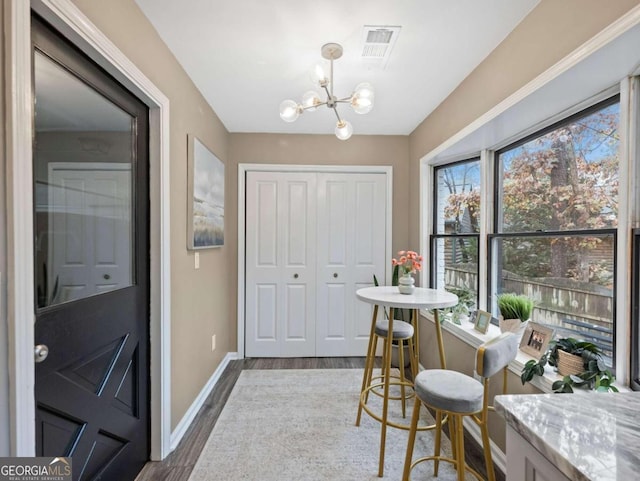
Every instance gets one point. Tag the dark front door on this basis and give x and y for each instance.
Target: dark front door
(90, 169)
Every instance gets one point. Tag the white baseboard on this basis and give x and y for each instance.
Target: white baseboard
(189, 416)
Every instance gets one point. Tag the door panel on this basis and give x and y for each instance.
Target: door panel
(89, 228)
(266, 238)
(266, 304)
(351, 249)
(336, 307)
(296, 309)
(280, 239)
(313, 239)
(91, 262)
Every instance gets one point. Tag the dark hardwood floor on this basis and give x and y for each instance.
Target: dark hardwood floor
(179, 464)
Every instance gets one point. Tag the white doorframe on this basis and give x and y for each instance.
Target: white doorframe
(244, 168)
(67, 18)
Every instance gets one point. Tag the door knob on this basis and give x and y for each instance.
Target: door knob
(106, 276)
(40, 352)
(295, 276)
(335, 274)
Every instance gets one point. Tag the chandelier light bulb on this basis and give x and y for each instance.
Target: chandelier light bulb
(362, 99)
(289, 111)
(319, 76)
(344, 129)
(310, 100)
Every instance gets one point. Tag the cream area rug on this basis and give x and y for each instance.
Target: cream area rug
(299, 425)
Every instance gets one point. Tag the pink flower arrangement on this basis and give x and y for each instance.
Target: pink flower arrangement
(408, 261)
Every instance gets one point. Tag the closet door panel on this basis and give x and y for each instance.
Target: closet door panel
(351, 248)
(280, 264)
(312, 240)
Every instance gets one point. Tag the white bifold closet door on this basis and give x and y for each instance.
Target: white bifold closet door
(350, 249)
(312, 240)
(280, 264)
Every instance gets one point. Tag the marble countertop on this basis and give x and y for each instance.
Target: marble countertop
(587, 436)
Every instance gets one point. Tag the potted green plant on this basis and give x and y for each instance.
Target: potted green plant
(515, 312)
(590, 371)
(466, 303)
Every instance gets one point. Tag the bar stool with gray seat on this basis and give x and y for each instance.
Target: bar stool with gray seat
(403, 332)
(457, 395)
(391, 298)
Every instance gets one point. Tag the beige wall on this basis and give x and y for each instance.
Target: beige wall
(323, 150)
(549, 33)
(200, 299)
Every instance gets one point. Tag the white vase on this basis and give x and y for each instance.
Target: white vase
(406, 284)
(513, 325)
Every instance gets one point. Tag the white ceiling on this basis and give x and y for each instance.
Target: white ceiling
(246, 56)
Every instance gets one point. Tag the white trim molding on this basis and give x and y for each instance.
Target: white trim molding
(19, 184)
(184, 424)
(608, 34)
(72, 23)
(242, 171)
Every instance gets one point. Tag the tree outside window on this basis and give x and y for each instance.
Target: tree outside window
(556, 220)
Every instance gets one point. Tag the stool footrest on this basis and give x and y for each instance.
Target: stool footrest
(378, 417)
(467, 468)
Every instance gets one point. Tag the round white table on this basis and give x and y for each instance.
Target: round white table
(390, 297)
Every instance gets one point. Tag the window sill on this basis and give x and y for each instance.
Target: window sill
(466, 333)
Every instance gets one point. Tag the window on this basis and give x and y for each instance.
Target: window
(456, 227)
(555, 223)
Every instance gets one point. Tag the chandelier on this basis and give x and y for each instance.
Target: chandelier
(361, 99)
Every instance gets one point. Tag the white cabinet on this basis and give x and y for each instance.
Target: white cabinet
(525, 463)
(312, 239)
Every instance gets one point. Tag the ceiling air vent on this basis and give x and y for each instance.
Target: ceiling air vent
(378, 41)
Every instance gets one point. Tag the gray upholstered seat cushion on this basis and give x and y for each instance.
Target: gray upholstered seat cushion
(449, 391)
(401, 329)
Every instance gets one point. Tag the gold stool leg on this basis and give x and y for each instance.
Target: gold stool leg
(412, 439)
(385, 400)
(452, 433)
(415, 318)
(412, 360)
(459, 446)
(368, 365)
(402, 378)
(443, 362)
(373, 360)
(486, 446)
(436, 451)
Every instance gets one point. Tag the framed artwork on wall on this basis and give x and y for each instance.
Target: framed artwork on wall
(205, 212)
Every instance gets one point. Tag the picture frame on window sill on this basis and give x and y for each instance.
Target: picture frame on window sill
(536, 339)
(205, 201)
(483, 319)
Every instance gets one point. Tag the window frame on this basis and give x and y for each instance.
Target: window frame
(497, 223)
(497, 164)
(534, 121)
(434, 236)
